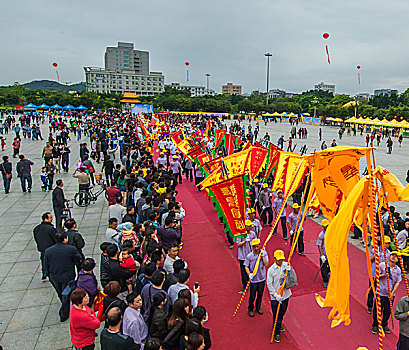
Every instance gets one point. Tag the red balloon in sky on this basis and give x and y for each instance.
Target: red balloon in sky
(55, 64)
(358, 67)
(186, 63)
(325, 35)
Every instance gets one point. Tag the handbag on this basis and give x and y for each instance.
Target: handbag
(69, 288)
(8, 176)
(291, 280)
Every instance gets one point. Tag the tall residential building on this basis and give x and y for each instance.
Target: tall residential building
(325, 87)
(385, 92)
(126, 70)
(125, 57)
(230, 89)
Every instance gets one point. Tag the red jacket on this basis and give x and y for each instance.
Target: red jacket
(83, 324)
(112, 192)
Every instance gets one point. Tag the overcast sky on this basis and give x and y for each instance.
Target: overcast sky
(226, 38)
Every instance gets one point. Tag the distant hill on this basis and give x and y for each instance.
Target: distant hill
(53, 85)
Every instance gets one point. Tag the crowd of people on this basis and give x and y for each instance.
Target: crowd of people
(144, 297)
(147, 299)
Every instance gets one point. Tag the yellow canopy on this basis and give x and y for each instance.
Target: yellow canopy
(394, 123)
(330, 119)
(339, 120)
(267, 115)
(276, 114)
(307, 114)
(359, 120)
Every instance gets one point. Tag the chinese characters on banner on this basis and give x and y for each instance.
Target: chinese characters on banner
(230, 196)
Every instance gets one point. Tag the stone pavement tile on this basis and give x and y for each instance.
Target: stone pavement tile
(5, 317)
(37, 282)
(31, 245)
(29, 255)
(33, 221)
(39, 296)
(9, 300)
(8, 229)
(52, 317)
(22, 339)
(14, 283)
(4, 269)
(88, 250)
(55, 337)
(24, 268)
(26, 318)
(21, 236)
(13, 247)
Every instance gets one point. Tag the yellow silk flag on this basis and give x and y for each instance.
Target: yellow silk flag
(288, 165)
(335, 174)
(391, 186)
(336, 237)
(236, 165)
(328, 193)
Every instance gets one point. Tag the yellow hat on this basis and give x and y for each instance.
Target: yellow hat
(252, 210)
(248, 223)
(296, 206)
(387, 239)
(324, 222)
(255, 241)
(279, 191)
(265, 185)
(255, 180)
(175, 157)
(362, 348)
(279, 255)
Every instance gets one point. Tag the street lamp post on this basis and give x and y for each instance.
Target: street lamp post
(315, 101)
(207, 82)
(268, 55)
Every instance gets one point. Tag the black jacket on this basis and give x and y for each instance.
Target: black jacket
(24, 166)
(66, 153)
(58, 198)
(60, 261)
(76, 240)
(158, 327)
(6, 168)
(118, 273)
(44, 236)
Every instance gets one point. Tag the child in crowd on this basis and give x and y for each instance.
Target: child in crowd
(87, 280)
(128, 262)
(44, 179)
(3, 142)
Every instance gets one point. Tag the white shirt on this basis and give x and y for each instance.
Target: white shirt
(275, 278)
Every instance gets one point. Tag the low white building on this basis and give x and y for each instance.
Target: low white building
(108, 81)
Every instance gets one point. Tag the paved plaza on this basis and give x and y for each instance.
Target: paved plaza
(28, 306)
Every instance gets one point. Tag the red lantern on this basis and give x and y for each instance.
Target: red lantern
(187, 63)
(55, 64)
(325, 35)
(358, 67)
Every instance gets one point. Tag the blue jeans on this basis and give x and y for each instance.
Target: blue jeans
(26, 177)
(6, 183)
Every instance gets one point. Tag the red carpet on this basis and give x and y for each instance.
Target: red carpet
(216, 269)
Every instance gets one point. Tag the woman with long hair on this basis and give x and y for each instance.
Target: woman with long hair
(176, 323)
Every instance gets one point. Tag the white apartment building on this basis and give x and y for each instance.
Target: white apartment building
(125, 70)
